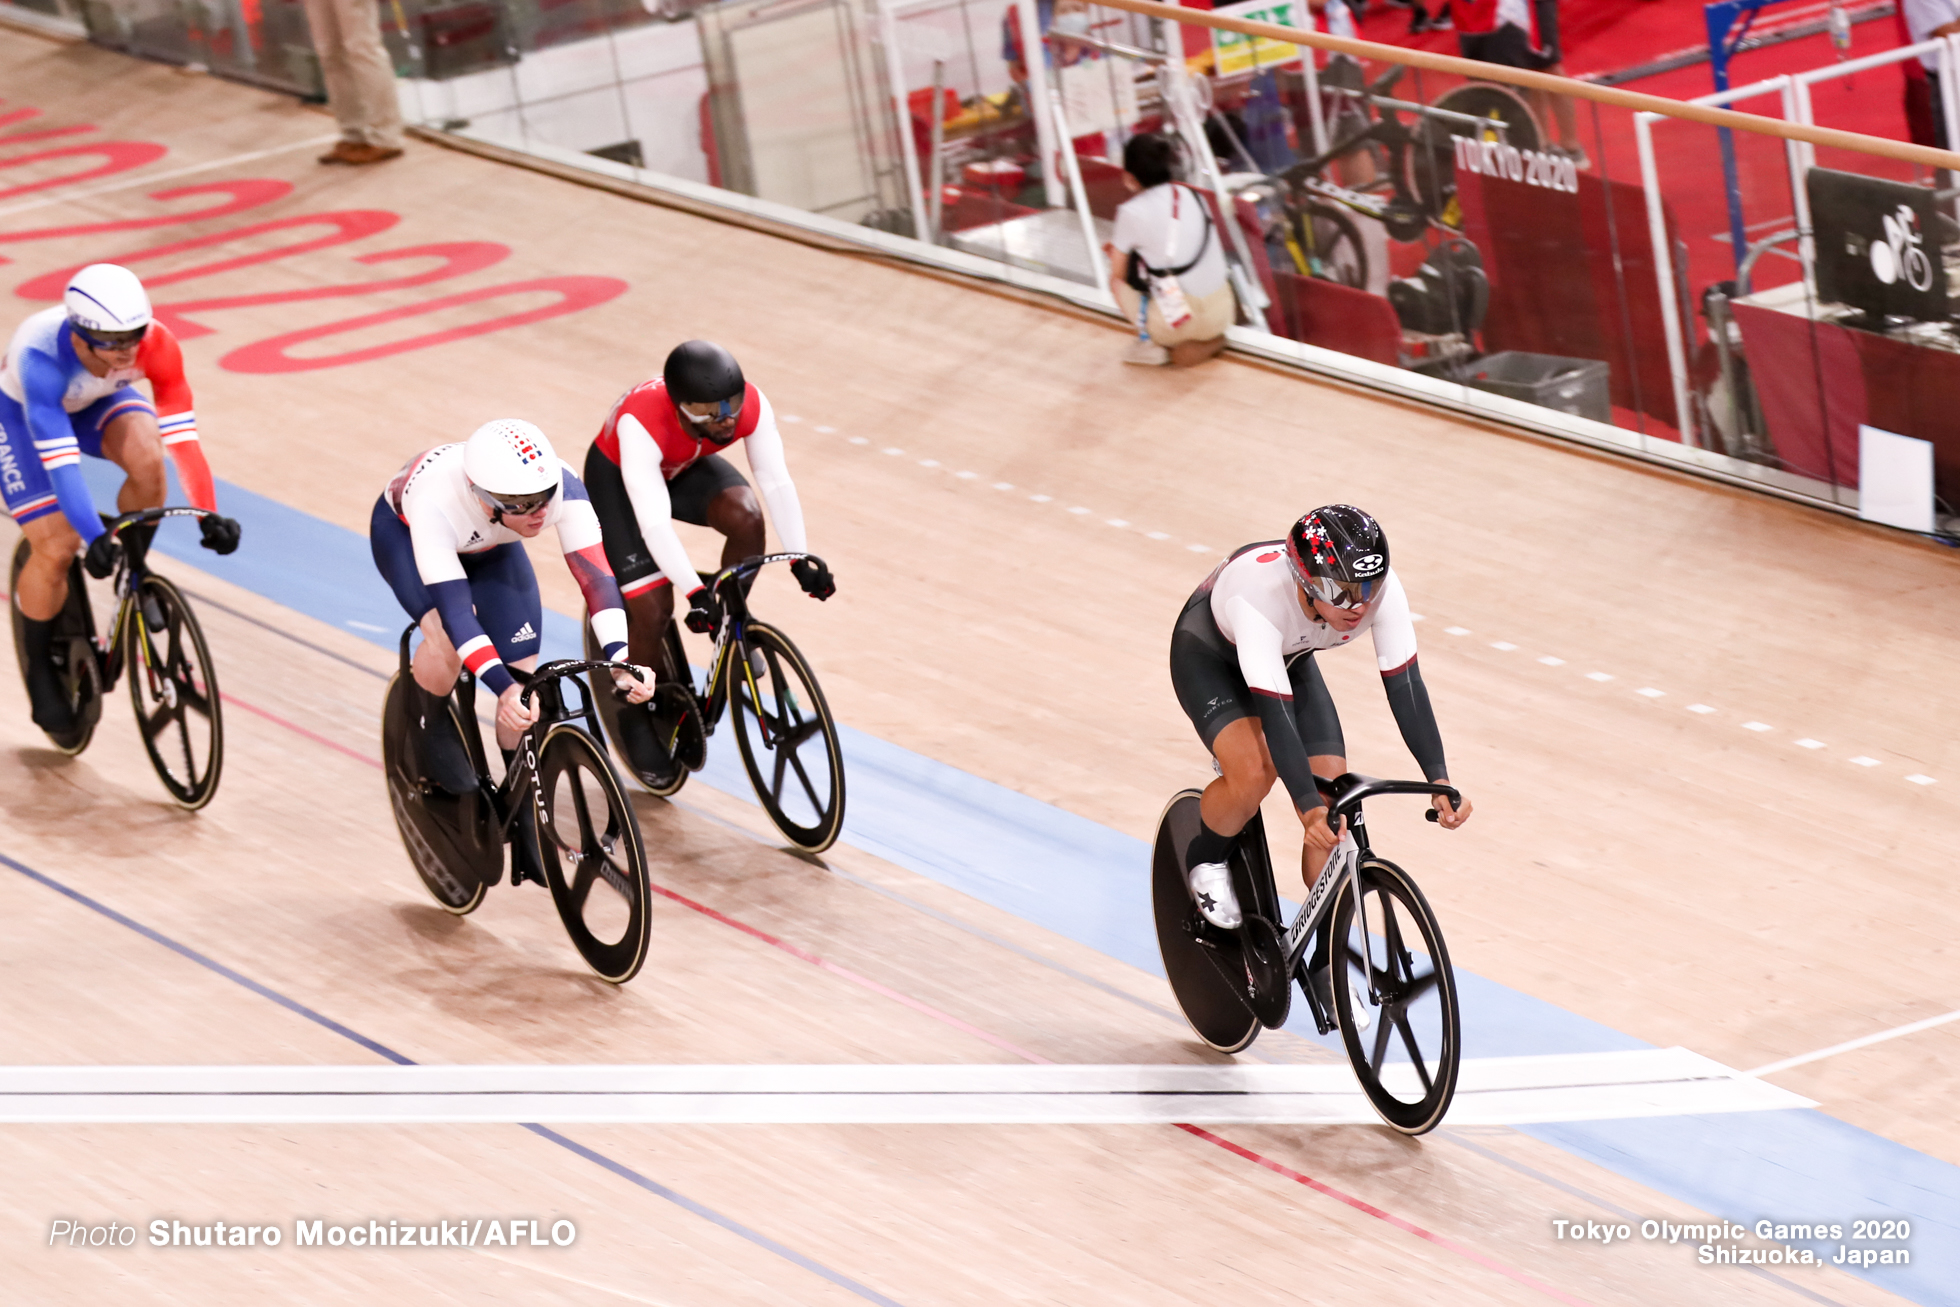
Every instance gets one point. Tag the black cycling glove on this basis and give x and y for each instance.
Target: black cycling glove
(220, 533)
(814, 577)
(104, 552)
(703, 613)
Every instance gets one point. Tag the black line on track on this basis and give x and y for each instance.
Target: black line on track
(294, 1006)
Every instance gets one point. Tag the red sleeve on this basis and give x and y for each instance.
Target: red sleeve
(161, 360)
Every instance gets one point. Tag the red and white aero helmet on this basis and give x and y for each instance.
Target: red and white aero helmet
(511, 466)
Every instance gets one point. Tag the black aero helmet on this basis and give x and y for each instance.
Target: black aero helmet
(702, 372)
(1339, 554)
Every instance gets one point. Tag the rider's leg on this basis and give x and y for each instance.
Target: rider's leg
(44, 577)
(736, 514)
(130, 439)
(1320, 732)
(43, 591)
(436, 664)
(647, 615)
(504, 590)
(1246, 775)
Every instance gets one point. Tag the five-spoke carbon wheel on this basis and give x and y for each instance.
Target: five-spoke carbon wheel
(1395, 997)
(593, 855)
(788, 740)
(174, 690)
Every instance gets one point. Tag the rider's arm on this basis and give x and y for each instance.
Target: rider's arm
(1408, 698)
(765, 446)
(442, 571)
(43, 383)
(583, 542)
(639, 468)
(162, 361)
(1264, 667)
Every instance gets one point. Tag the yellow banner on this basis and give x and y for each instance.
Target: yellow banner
(1233, 52)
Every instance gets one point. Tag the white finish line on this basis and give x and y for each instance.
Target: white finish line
(1491, 1091)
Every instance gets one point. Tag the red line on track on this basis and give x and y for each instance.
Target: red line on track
(852, 976)
(1376, 1212)
(886, 991)
(804, 955)
(297, 729)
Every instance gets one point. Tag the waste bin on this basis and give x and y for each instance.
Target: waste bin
(1575, 386)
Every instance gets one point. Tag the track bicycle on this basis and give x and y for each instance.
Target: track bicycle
(1383, 972)
(783, 725)
(173, 685)
(582, 831)
(1415, 168)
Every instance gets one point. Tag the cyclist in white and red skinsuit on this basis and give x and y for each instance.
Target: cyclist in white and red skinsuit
(1242, 663)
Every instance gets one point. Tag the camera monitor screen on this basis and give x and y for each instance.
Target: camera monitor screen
(1877, 246)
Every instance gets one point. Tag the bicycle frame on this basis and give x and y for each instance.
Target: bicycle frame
(128, 580)
(544, 684)
(1346, 794)
(727, 587)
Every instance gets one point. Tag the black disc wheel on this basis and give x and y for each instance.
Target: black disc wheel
(1333, 246)
(593, 855)
(788, 740)
(1395, 998)
(660, 742)
(174, 689)
(454, 842)
(1204, 964)
(73, 649)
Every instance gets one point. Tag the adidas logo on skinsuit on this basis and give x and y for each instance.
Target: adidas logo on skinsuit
(524, 632)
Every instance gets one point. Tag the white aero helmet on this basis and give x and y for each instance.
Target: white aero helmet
(107, 306)
(511, 467)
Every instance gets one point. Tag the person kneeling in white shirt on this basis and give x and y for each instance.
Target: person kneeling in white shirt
(1166, 230)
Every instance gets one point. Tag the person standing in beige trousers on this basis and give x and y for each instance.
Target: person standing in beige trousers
(360, 80)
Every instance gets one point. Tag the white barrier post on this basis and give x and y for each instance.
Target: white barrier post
(908, 155)
(1034, 57)
(1097, 268)
(1677, 359)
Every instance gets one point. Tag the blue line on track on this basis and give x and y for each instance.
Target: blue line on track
(1090, 883)
(294, 1006)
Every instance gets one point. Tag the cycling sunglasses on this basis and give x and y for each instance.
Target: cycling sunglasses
(108, 342)
(725, 411)
(515, 505)
(1342, 594)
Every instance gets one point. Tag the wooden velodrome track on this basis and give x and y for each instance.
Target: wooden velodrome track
(1665, 873)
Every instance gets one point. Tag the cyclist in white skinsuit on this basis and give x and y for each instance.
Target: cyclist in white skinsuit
(1242, 665)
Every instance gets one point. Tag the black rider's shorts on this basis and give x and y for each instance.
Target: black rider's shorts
(1205, 674)
(688, 494)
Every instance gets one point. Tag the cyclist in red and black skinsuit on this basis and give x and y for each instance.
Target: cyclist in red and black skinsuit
(659, 458)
